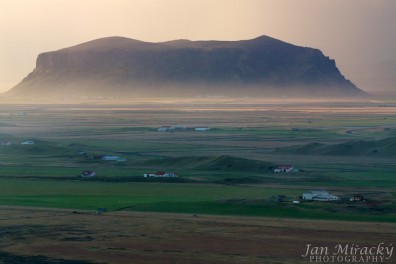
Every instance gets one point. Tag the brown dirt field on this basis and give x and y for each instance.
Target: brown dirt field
(132, 237)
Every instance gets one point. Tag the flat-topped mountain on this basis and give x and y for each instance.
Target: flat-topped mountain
(122, 67)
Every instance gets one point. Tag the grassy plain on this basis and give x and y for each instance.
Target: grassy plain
(246, 141)
(345, 147)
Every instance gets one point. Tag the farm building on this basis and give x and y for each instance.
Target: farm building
(110, 157)
(27, 142)
(113, 158)
(201, 128)
(180, 127)
(5, 143)
(319, 195)
(284, 168)
(88, 174)
(160, 174)
(356, 197)
(164, 128)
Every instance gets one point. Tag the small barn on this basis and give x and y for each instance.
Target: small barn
(201, 128)
(284, 168)
(164, 128)
(356, 197)
(110, 157)
(88, 174)
(160, 174)
(27, 142)
(113, 158)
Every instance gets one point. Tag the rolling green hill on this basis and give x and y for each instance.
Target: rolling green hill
(382, 147)
(231, 163)
(208, 163)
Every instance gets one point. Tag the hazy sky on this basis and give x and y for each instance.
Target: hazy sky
(352, 32)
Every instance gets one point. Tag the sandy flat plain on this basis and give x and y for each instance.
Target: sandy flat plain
(32, 235)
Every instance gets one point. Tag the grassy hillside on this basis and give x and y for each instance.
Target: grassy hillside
(382, 147)
(177, 162)
(230, 163)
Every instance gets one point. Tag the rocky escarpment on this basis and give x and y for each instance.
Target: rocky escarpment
(122, 67)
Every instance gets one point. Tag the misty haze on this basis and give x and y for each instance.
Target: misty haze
(216, 131)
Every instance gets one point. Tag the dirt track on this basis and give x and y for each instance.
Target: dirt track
(31, 235)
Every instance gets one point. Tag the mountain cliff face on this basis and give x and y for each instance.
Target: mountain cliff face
(122, 67)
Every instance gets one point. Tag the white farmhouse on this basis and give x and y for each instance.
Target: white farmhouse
(88, 174)
(27, 142)
(164, 128)
(160, 174)
(284, 168)
(201, 128)
(113, 158)
(319, 195)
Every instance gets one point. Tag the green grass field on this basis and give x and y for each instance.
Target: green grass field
(227, 170)
(171, 197)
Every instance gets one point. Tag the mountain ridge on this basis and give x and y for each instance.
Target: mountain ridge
(119, 66)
